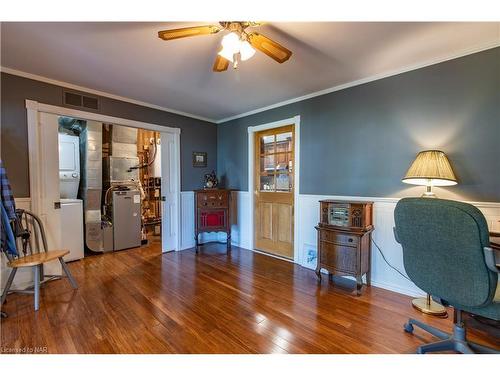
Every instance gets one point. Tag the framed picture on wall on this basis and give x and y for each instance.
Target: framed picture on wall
(199, 159)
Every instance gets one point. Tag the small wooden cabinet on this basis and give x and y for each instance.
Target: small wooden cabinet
(211, 208)
(344, 239)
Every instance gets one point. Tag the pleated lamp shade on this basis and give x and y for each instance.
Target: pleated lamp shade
(430, 167)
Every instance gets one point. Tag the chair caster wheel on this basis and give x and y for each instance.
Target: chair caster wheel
(408, 327)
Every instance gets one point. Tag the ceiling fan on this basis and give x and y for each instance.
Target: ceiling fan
(237, 45)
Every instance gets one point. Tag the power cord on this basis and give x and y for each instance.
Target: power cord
(387, 262)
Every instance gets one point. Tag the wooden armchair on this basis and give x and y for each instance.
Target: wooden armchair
(32, 252)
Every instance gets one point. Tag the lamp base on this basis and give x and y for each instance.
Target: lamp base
(429, 307)
(429, 194)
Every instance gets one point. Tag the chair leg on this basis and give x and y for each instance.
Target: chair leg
(433, 331)
(439, 346)
(68, 273)
(8, 285)
(36, 277)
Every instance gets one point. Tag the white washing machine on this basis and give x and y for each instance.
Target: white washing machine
(69, 165)
(72, 228)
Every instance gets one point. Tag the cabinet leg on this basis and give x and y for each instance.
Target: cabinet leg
(196, 244)
(359, 284)
(369, 278)
(330, 277)
(228, 242)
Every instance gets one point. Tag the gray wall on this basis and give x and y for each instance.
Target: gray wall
(360, 141)
(196, 135)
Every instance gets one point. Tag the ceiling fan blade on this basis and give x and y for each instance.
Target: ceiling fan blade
(220, 64)
(187, 32)
(271, 48)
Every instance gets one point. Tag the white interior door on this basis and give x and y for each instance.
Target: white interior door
(170, 191)
(49, 195)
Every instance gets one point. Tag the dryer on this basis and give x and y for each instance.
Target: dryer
(69, 165)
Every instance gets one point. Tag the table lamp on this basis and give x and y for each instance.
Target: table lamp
(430, 168)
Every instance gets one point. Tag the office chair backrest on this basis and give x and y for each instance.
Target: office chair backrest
(29, 234)
(443, 245)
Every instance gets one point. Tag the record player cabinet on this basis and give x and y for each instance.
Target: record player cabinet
(344, 240)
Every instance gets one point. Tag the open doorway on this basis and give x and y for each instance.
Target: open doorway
(120, 177)
(110, 186)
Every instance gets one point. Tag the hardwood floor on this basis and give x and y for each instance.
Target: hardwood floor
(140, 301)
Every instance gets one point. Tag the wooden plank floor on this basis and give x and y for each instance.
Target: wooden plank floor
(140, 301)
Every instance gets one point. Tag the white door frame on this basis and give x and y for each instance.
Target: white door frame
(34, 107)
(251, 183)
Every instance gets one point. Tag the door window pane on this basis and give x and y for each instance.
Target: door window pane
(267, 183)
(267, 144)
(267, 164)
(283, 161)
(283, 182)
(284, 142)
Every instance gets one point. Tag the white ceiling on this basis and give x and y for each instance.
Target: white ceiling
(129, 60)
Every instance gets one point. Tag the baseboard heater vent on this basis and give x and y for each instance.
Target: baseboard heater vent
(79, 100)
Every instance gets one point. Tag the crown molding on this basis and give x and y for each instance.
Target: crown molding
(99, 93)
(361, 81)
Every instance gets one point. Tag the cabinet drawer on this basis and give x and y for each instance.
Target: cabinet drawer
(212, 199)
(342, 258)
(339, 238)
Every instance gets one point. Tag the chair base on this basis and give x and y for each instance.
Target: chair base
(456, 342)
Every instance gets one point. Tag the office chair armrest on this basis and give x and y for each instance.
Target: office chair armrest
(489, 258)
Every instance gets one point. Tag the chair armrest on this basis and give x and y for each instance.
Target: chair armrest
(489, 258)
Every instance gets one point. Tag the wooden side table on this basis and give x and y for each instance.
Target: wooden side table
(212, 208)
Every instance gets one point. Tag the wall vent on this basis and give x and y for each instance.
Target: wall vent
(79, 100)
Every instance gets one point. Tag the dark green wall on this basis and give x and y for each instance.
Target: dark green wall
(360, 141)
(196, 135)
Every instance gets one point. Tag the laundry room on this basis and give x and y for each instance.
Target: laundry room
(110, 187)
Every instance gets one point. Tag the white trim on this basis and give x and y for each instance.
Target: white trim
(361, 81)
(390, 199)
(99, 93)
(33, 108)
(63, 111)
(276, 124)
(23, 200)
(177, 142)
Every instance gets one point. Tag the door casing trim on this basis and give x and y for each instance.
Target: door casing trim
(34, 107)
(251, 163)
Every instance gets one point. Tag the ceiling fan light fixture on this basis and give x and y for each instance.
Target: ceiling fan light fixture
(227, 54)
(246, 50)
(232, 42)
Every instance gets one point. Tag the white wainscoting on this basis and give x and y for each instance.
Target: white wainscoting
(24, 276)
(240, 220)
(308, 208)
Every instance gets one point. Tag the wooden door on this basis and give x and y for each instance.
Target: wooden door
(274, 187)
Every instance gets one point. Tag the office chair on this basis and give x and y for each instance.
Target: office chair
(446, 253)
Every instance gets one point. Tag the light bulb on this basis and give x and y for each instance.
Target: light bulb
(246, 50)
(232, 42)
(226, 53)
